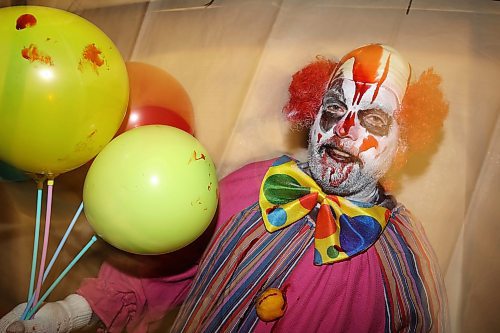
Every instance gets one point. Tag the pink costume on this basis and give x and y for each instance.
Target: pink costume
(393, 286)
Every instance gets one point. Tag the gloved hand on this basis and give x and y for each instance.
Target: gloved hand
(64, 316)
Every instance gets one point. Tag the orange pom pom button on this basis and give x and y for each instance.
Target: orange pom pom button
(271, 305)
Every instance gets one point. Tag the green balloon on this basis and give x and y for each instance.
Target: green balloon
(151, 190)
(63, 89)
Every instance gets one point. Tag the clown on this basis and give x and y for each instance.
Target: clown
(298, 247)
(354, 138)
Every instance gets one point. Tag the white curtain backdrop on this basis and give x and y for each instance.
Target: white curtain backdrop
(235, 59)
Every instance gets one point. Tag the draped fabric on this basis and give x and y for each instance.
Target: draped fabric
(235, 59)
(244, 260)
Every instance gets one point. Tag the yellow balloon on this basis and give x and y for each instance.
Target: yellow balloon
(151, 190)
(63, 89)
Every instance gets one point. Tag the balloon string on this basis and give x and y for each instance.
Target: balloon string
(31, 299)
(28, 307)
(61, 276)
(35, 242)
(62, 242)
(41, 269)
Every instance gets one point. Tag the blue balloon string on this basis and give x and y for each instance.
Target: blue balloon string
(35, 248)
(63, 241)
(61, 276)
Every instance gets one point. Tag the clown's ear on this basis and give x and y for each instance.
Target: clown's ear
(306, 91)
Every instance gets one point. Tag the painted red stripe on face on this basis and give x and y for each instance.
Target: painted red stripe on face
(348, 123)
(319, 137)
(365, 68)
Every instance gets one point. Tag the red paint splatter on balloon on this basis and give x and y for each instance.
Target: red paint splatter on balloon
(202, 156)
(25, 21)
(91, 56)
(369, 142)
(210, 186)
(32, 54)
(194, 157)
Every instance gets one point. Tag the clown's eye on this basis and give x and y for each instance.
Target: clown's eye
(331, 114)
(375, 121)
(336, 109)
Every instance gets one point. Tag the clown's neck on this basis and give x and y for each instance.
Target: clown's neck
(370, 194)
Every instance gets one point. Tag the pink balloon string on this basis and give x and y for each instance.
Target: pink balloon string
(41, 270)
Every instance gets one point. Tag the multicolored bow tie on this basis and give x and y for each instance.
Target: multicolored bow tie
(344, 227)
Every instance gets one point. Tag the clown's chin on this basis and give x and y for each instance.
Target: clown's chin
(339, 173)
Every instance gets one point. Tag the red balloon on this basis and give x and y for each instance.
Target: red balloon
(152, 86)
(153, 115)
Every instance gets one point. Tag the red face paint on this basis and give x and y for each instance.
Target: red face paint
(369, 142)
(348, 123)
(25, 21)
(319, 137)
(365, 69)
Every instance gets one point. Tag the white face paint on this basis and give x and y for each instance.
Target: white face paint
(351, 144)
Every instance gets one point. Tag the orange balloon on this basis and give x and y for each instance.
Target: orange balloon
(152, 86)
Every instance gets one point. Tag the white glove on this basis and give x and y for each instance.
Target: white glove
(64, 316)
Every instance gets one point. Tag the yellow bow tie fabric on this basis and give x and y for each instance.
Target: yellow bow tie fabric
(344, 227)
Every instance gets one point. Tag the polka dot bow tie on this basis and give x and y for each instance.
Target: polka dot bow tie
(344, 227)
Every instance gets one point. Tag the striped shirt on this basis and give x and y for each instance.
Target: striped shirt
(395, 286)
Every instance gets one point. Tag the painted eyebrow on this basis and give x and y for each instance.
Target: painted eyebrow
(331, 100)
(376, 110)
(333, 94)
(379, 108)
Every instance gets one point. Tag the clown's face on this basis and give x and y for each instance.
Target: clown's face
(352, 143)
